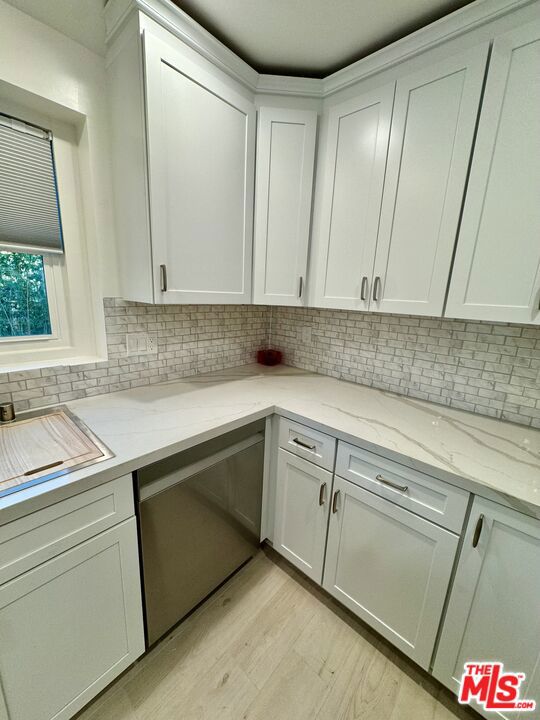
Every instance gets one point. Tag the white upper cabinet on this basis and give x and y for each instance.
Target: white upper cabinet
(283, 190)
(435, 112)
(496, 273)
(357, 144)
(493, 612)
(201, 157)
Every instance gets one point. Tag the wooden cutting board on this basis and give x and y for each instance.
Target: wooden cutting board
(41, 445)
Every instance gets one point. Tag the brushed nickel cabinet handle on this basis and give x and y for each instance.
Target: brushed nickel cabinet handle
(364, 288)
(322, 492)
(401, 488)
(376, 288)
(300, 286)
(334, 501)
(297, 441)
(163, 277)
(478, 531)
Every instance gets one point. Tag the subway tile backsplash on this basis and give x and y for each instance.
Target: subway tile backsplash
(190, 339)
(492, 369)
(487, 368)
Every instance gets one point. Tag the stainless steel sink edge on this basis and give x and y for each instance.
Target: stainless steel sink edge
(107, 454)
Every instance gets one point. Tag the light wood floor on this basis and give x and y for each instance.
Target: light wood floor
(272, 646)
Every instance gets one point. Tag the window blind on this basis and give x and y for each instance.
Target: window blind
(29, 210)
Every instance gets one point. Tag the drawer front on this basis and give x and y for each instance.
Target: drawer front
(35, 538)
(422, 494)
(312, 445)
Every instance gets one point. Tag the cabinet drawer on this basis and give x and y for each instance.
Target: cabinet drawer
(424, 495)
(312, 445)
(35, 538)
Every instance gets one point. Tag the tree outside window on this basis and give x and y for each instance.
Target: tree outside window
(24, 309)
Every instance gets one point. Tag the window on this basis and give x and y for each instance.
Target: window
(30, 228)
(24, 306)
(50, 301)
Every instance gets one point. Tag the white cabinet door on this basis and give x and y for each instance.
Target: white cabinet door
(357, 144)
(283, 190)
(496, 273)
(390, 567)
(494, 608)
(201, 155)
(70, 626)
(435, 112)
(302, 498)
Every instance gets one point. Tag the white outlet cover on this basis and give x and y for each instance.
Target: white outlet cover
(141, 344)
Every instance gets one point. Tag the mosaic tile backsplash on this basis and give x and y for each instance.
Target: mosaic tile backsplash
(487, 368)
(190, 339)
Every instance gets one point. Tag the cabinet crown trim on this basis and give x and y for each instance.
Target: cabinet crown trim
(194, 35)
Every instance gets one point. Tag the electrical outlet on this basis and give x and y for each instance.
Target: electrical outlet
(140, 344)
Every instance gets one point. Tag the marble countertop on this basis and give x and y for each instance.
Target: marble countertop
(496, 459)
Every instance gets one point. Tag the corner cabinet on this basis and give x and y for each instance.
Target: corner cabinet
(494, 607)
(394, 177)
(389, 566)
(496, 273)
(70, 626)
(374, 550)
(184, 163)
(283, 190)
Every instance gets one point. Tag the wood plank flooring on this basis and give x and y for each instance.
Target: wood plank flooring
(271, 646)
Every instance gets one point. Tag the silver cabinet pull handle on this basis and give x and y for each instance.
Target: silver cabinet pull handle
(300, 286)
(376, 288)
(163, 277)
(401, 488)
(297, 441)
(334, 501)
(478, 531)
(364, 288)
(322, 492)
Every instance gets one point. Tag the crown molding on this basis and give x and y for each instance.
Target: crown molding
(178, 23)
(451, 26)
(290, 85)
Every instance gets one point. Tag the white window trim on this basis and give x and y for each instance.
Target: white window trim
(74, 338)
(57, 315)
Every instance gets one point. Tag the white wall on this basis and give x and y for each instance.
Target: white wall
(47, 71)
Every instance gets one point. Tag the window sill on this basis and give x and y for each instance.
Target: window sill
(45, 363)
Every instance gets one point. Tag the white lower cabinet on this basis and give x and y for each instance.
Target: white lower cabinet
(494, 608)
(302, 502)
(388, 566)
(70, 626)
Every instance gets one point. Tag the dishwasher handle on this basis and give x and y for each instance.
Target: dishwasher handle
(149, 489)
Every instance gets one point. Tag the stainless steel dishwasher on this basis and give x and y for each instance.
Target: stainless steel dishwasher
(199, 514)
